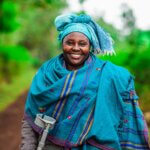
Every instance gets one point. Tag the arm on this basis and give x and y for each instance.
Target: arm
(29, 138)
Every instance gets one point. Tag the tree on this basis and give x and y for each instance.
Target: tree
(8, 14)
(128, 19)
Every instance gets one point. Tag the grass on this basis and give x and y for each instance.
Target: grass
(9, 92)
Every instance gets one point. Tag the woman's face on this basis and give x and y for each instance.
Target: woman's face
(76, 48)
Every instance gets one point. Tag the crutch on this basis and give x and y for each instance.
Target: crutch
(46, 123)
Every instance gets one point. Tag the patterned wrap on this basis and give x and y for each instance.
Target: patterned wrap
(100, 41)
(95, 107)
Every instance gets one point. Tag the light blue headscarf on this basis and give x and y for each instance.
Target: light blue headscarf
(100, 41)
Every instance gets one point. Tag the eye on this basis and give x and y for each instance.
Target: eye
(83, 44)
(69, 43)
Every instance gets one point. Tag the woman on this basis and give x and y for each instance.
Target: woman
(93, 101)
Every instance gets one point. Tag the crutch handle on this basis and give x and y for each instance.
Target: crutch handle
(46, 123)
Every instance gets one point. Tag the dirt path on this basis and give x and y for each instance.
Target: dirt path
(10, 124)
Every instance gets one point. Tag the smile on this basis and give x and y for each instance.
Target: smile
(75, 56)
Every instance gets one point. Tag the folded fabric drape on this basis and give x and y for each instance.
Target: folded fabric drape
(95, 106)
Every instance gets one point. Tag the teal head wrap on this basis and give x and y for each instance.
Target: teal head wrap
(73, 27)
(99, 39)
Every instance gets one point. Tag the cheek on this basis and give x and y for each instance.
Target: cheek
(66, 48)
(86, 50)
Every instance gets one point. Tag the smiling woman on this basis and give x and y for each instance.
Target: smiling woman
(76, 49)
(78, 102)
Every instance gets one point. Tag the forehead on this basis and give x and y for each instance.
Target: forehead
(76, 36)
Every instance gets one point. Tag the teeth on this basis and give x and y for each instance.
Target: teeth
(75, 55)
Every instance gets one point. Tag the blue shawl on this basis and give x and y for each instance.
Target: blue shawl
(95, 107)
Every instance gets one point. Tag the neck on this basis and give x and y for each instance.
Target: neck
(71, 68)
(74, 67)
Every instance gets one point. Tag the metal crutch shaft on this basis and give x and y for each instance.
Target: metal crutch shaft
(43, 138)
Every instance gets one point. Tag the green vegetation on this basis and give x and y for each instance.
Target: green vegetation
(19, 84)
(13, 60)
(28, 37)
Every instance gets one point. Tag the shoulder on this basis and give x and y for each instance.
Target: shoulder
(123, 80)
(112, 70)
(50, 61)
(117, 75)
(117, 71)
(45, 71)
(49, 64)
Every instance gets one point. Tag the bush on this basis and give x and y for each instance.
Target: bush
(8, 11)
(119, 59)
(141, 67)
(13, 59)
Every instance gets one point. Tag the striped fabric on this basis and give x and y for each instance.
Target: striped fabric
(66, 90)
(131, 146)
(93, 106)
(87, 127)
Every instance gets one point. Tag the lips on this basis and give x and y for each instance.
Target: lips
(75, 56)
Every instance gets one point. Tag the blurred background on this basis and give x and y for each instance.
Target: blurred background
(28, 38)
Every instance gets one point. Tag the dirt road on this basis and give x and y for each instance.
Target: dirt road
(10, 124)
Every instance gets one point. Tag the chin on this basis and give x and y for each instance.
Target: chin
(76, 64)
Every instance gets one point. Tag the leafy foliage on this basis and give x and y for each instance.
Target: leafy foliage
(16, 53)
(128, 18)
(8, 21)
(13, 59)
(35, 39)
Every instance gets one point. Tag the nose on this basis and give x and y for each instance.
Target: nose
(76, 47)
